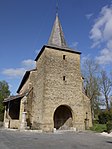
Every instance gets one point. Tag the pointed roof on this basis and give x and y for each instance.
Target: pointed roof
(57, 36)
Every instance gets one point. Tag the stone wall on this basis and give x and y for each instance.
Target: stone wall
(87, 109)
(29, 106)
(58, 91)
(57, 81)
(37, 81)
(25, 86)
(14, 124)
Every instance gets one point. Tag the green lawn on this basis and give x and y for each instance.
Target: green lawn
(99, 127)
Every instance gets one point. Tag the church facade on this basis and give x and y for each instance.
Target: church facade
(51, 97)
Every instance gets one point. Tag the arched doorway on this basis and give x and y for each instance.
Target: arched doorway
(63, 117)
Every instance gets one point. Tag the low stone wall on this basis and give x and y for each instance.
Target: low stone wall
(14, 124)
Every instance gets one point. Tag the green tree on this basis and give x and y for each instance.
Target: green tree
(4, 93)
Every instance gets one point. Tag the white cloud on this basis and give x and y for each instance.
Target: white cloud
(11, 72)
(74, 44)
(10, 86)
(101, 35)
(105, 56)
(18, 72)
(84, 58)
(37, 51)
(29, 64)
(109, 44)
(88, 16)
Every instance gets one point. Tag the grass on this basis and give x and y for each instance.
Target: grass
(99, 127)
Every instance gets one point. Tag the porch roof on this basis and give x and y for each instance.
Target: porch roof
(10, 98)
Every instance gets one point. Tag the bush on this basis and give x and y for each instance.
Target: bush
(1, 117)
(109, 126)
(104, 117)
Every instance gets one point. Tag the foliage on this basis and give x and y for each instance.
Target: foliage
(109, 126)
(4, 93)
(105, 117)
(98, 127)
(1, 116)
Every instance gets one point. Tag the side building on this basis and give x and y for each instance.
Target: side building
(51, 96)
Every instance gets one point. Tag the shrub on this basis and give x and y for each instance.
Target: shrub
(1, 117)
(104, 117)
(109, 126)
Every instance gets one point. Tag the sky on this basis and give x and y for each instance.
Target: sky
(25, 26)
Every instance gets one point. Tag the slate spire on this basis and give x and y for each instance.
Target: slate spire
(57, 36)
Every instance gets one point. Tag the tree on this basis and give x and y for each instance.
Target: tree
(4, 93)
(106, 86)
(91, 83)
(111, 91)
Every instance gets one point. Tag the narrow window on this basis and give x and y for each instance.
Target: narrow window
(63, 78)
(64, 57)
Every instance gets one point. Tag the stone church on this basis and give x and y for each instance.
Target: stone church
(51, 96)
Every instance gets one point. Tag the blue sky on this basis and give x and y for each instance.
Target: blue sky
(25, 26)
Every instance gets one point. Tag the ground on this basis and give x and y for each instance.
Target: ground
(65, 140)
